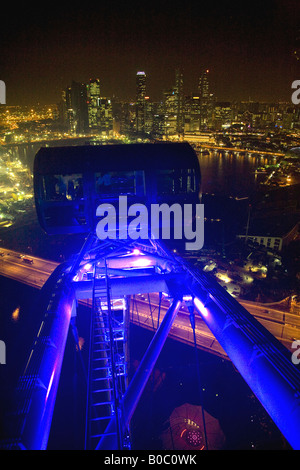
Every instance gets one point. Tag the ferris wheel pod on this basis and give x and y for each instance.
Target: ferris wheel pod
(71, 182)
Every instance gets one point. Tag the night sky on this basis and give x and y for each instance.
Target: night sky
(247, 46)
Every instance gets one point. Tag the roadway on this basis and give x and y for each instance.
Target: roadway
(181, 329)
(283, 324)
(14, 267)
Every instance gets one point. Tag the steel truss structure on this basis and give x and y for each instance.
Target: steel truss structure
(110, 273)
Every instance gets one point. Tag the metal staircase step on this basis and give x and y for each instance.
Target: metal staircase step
(101, 404)
(107, 370)
(103, 434)
(101, 390)
(101, 418)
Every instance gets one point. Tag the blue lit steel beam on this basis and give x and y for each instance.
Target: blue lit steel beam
(139, 381)
(37, 388)
(137, 261)
(125, 286)
(263, 362)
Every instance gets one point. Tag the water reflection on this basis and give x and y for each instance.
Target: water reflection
(231, 174)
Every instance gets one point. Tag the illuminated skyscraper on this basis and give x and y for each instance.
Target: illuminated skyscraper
(140, 101)
(77, 108)
(179, 97)
(94, 103)
(192, 113)
(173, 100)
(204, 99)
(105, 115)
(204, 86)
(170, 112)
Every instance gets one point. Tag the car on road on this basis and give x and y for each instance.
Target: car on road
(27, 260)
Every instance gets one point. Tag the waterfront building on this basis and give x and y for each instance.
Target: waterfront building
(222, 115)
(192, 114)
(273, 232)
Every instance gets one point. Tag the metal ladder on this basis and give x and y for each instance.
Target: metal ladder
(107, 374)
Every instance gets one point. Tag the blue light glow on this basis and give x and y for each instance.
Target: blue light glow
(200, 307)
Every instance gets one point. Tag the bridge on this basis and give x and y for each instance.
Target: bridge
(237, 150)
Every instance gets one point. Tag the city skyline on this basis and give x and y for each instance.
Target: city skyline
(249, 49)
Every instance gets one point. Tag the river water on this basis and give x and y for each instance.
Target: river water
(230, 174)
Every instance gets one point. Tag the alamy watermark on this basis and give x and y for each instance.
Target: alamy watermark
(2, 92)
(2, 352)
(296, 353)
(137, 222)
(296, 93)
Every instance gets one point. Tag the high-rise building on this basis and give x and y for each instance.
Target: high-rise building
(204, 99)
(179, 98)
(222, 115)
(192, 113)
(170, 112)
(204, 86)
(105, 115)
(77, 108)
(173, 108)
(94, 103)
(140, 101)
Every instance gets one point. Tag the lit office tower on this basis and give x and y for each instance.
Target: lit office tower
(204, 86)
(179, 97)
(105, 116)
(204, 99)
(140, 101)
(77, 109)
(94, 103)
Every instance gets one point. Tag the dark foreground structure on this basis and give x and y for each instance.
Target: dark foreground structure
(70, 183)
